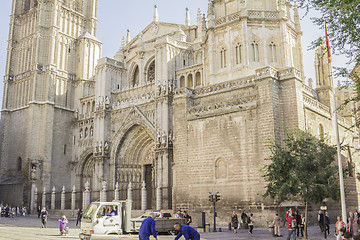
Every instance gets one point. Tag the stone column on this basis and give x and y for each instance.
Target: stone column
(129, 192)
(35, 200)
(86, 196)
(116, 192)
(143, 196)
(32, 201)
(103, 192)
(73, 198)
(63, 198)
(53, 198)
(158, 198)
(43, 202)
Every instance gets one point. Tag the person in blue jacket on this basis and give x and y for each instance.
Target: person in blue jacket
(188, 232)
(148, 228)
(111, 211)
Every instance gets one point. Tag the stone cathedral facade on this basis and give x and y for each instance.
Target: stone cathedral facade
(182, 109)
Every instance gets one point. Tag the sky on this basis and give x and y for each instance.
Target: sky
(116, 16)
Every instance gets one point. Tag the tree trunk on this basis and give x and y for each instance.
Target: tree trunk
(306, 221)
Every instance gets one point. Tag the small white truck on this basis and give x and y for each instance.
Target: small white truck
(97, 222)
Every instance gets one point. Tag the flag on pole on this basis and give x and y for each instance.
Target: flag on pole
(328, 49)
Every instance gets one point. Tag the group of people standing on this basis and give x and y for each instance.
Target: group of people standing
(351, 231)
(295, 224)
(11, 211)
(245, 219)
(183, 214)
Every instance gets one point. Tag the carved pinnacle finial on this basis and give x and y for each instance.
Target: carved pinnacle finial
(128, 36)
(156, 15)
(187, 18)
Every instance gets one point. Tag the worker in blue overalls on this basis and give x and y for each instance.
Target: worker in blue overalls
(148, 228)
(188, 232)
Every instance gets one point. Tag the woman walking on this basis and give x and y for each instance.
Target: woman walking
(251, 223)
(234, 221)
(277, 226)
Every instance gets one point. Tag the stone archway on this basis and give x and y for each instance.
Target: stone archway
(134, 162)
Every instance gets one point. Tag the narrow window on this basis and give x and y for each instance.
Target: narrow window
(64, 149)
(223, 58)
(19, 164)
(238, 53)
(272, 52)
(255, 51)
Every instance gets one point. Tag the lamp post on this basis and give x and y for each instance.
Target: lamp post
(214, 197)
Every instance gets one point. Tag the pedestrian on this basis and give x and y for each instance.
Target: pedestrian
(302, 224)
(291, 220)
(298, 223)
(351, 223)
(321, 221)
(63, 222)
(188, 218)
(147, 228)
(244, 217)
(44, 216)
(79, 216)
(339, 225)
(234, 221)
(179, 214)
(327, 223)
(276, 223)
(251, 223)
(188, 232)
(39, 211)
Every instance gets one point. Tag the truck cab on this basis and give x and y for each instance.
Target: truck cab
(104, 218)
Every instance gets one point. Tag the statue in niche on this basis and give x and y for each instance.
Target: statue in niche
(159, 90)
(107, 102)
(163, 139)
(96, 147)
(106, 148)
(164, 89)
(33, 172)
(158, 139)
(170, 137)
(100, 148)
(101, 102)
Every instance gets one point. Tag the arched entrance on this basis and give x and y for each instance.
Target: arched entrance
(134, 163)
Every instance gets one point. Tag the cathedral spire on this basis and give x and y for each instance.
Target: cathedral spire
(156, 15)
(128, 39)
(187, 18)
(199, 17)
(297, 18)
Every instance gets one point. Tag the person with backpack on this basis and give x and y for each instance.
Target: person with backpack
(291, 219)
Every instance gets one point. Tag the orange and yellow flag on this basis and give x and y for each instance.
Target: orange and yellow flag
(328, 49)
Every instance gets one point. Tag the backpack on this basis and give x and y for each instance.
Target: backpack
(293, 223)
(358, 221)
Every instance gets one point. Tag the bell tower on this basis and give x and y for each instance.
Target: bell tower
(41, 76)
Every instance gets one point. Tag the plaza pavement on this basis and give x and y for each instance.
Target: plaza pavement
(29, 228)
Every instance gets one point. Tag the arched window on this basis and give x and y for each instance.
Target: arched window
(321, 131)
(93, 106)
(272, 52)
(86, 132)
(136, 76)
(220, 169)
(182, 81)
(238, 54)
(198, 79)
(151, 72)
(81, 133)
(88, 107)
(83, 108)
(254, 52)
(19, 164)
(223, 57)
(91, 133)
(190, 81)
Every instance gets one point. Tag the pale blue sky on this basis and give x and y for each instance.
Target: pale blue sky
(115, 16)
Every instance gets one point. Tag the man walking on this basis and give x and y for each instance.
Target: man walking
(188, 232)
(44, 216)
(148, 228)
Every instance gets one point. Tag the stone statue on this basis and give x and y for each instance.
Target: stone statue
(163, 139)
(158, 139)
(170, 137)
(107, 102)
(33, 173)
(164, 89)
(96, 147)
(100, 148)
(106, 148)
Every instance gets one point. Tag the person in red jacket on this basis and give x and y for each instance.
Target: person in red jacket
(291, 219)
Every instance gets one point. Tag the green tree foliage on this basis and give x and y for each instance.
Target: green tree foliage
(303, 167)
(343, 20)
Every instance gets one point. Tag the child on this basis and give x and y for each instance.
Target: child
(63, 229)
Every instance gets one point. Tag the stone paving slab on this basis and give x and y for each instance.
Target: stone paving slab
(29, 228)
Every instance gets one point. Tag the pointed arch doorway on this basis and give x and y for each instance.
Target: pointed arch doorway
(134, 162)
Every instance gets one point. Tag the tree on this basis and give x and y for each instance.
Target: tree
(343, 22)
(302, 168)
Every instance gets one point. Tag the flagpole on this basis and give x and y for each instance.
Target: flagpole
(336, 125)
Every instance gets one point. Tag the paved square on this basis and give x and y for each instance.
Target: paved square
(29, 228)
